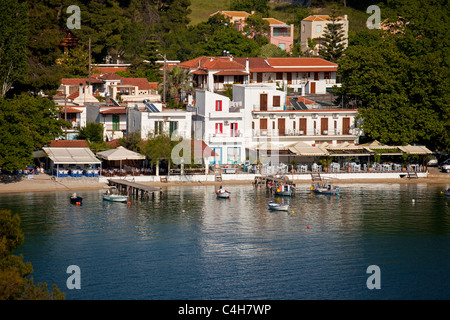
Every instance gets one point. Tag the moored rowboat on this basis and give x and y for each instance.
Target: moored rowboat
(277, 206)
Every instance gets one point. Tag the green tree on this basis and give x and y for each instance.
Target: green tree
(271, 51)
(26, 124)
(13, 43)
(15, 283)
(332, 44)
(159, 147)
(232, 40)
(398, 79)
(177, 82)
(261, 6)
(257, 28)
(76, 63)
(131, 141)
(92, 132)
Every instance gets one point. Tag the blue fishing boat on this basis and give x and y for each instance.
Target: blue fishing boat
(325, 188)
(285, 190)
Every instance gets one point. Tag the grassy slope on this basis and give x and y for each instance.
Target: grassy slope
(201, 9)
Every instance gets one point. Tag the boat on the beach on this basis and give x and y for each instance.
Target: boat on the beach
(325, 188)
(222, 193)
(278, 206)
(285, 190)
(75, 199)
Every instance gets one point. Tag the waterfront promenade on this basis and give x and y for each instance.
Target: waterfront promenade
(44, 182)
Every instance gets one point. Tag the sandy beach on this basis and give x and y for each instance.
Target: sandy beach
(44, 182)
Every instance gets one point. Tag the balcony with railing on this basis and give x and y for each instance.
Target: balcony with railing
(230, 136)
(299, 133)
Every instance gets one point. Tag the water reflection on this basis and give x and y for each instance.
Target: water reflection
(191, 245)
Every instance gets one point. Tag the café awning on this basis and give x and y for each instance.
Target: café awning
(302, 149)
(71, 155)
(415, 149)
(120, 153)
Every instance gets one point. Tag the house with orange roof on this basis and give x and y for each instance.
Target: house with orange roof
(302, 75)
(280, 33)
(78, 91)
(313, 27)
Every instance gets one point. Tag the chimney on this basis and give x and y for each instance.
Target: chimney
(247, 66)
(81, 91)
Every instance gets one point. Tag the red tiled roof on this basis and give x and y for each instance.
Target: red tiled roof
(321, 18)
(74, 81)
(71, 110)
(300, 62)
(231, 73)
(141, 83)
(69, 144)
(113, 143)
(74, 95)
(199, 72)
(213, 63)
(273, 21)
(257, 64)
(114, 110)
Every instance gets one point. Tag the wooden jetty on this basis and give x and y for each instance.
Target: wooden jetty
(133, 189)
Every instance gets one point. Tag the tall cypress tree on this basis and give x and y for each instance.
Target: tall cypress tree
(332, 43)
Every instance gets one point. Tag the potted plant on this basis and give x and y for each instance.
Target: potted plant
(325, 162)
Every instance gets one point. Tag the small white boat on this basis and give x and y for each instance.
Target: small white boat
(278, 206)
(221, 193)
(115, 197)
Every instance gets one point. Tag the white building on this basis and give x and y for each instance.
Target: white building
(313, 28)
(260, 115)
(221, 124)
(156, 120)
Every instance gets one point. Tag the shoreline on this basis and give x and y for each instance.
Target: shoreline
(43, 183)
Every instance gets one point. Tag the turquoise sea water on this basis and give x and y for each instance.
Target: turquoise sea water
(237, 248)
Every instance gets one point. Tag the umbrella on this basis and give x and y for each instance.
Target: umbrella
(120, 153)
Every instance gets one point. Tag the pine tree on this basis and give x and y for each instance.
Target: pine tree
(332, 44)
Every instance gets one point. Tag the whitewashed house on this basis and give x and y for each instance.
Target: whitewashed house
(113, 119)
(157, 120)
(221, 124)
(76, 116)
(260, 118)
